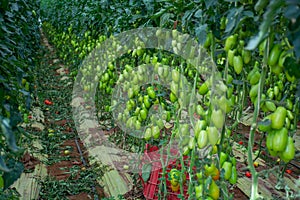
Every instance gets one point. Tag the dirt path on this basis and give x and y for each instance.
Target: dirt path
(69, 174)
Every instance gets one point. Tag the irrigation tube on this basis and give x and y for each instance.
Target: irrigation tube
(85, 164)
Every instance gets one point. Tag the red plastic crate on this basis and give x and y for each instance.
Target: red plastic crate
(151, 187)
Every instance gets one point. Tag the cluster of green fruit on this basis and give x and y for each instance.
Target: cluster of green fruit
(73, 48)
(141, 97)
(237, 55)
(278, 142)
(206, 185)
(211, 173)
(108, 79)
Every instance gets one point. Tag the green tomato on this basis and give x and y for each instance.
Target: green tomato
(130, 93)
(233, 178)
(255, 78)
(174, 88)
(230, 42)
(218, 118)
(213, 135)
(200, 125)
(265, 124)
(254, 91)
(238, 64)
(246, 56)
(203, 89)
(199, 191)
(276, 69)
(143, 114)
(199, 110)
(270, 106)
(290, 115)
(251, 73)
(155, 132)
(227, 166)
(192, 143)
(151, 93)
(175, 75)
(230, 56)
(186, 150)
(274, 55)
(174, 176)
(223, 158)
(289, 152)
(160, 123)
(147, 102)
(173, 97)
(202, 139)
(278, 118)
(280, 139)
(269, 140)
(289, 104)
(148, 134)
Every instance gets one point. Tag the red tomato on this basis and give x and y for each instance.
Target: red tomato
(288, 171)
(248, 174)
(48, 102)
(241, 142)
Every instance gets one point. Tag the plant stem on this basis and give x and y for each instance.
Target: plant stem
(254, 188)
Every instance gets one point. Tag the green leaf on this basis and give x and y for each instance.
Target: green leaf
(9, 135)
(268, 17)
(232, 19)
(210, 3)
(292, 66)
(13, 175)
(165, 18)
(266, 122)
(198, 13)
(146, 171)
(200, 33)
(3, 166)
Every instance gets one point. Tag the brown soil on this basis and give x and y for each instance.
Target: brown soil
(60, 170)
(29, 161)
(86, 196)
(238, 194)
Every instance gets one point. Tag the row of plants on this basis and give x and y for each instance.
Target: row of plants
(257, 68)
(19, 49)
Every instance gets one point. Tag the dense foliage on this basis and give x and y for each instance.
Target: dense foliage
(255, 45)
(19, 48)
